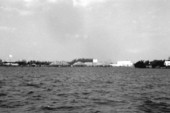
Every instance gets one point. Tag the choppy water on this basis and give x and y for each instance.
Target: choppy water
(84, 90)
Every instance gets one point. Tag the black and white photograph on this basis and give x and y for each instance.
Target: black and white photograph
(84, 56)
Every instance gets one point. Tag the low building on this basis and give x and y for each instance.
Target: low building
(167, 63)
(114, 65)
(84, 62)
(11, 64)
(95, 61)
(79, 64)
(123, 64)
(89, 64)
(60, 64)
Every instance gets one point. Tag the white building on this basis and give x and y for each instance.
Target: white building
(11, 64)
(167, 63)
(79, 64)
(59, 63)
(95, 61)
(123, 64)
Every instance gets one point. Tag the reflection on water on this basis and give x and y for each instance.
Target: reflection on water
(84, 90)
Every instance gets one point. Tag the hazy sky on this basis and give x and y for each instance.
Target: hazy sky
(109, 30)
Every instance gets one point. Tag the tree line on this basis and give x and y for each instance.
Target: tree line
(25, 63)
(150, 64)
(42, 63)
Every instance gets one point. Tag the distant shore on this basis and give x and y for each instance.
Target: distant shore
(87, 62)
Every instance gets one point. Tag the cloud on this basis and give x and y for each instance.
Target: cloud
(23, 12)
(25, 7)
(30, 3)
(134, 51)
(86, 3)
(6, 28)
(77, 36)
(52, 1)
(35, 3)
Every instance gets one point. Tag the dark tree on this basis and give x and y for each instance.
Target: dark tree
(140, 64)
(38, 63)
(22, 63)
(83, 60)
(158, 63)
(1, 63)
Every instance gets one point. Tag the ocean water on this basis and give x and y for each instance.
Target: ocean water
(84, 90)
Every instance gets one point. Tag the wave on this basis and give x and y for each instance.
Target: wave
(150, 106)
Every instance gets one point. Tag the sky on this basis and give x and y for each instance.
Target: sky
(109, 30)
